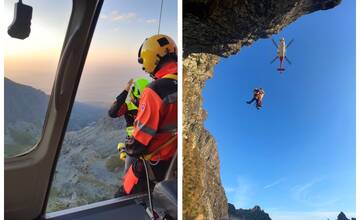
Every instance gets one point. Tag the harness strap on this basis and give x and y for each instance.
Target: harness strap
(150, 155)
(165, 129)
(171, 76)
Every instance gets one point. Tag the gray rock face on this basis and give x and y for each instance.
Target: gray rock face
(89, 169)
(204, 196)
(221, 27)
(214, 29)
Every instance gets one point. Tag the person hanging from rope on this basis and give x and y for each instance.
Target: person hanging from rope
(258, 95)
(255, 92)
(155, 128)
(129, 110)
(259, 98)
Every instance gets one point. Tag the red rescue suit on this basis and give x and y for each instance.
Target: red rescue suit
(156, 123)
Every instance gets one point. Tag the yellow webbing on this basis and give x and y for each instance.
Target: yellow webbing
(150, 155)
(171, 76)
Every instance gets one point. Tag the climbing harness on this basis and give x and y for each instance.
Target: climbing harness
(167, 143)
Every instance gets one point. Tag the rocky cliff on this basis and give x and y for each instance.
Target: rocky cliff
(214, 29)
(89, 169)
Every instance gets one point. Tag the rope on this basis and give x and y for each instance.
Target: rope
(162, 1)
(149, 190)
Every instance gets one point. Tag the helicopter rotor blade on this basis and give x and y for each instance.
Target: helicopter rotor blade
(274, 60)
(290, 43)
(274, 43)
(287, 59)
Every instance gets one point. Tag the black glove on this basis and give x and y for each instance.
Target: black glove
(134, 148)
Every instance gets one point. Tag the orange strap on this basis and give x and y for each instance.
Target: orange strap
(130, 180)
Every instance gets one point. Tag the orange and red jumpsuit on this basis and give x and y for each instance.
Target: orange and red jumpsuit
(155, 124)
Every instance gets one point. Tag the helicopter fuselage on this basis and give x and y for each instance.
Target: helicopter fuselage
(281, 51)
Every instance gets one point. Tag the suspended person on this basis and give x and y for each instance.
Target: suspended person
(259, 98)
(258, 95)
(255, 92)
(129, 110)
(155, 127)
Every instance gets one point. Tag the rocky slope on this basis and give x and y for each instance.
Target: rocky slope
(247, 214)
(88, 169)
(214, 29)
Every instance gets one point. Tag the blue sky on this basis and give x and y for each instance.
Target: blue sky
(296, 156)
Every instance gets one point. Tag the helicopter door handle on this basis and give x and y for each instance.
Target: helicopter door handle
(66, 57)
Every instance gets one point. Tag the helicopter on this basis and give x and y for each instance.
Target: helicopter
(281, 53)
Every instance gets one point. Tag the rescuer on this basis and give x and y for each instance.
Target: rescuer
(155, 128)
(258, 95)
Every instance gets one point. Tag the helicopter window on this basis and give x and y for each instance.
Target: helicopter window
(30, 67)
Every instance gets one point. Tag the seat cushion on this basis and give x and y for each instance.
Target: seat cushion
(165, 196)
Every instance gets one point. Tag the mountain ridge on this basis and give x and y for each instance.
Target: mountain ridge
(25, 110)
(255, 213)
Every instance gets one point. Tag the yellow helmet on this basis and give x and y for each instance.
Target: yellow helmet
(154, 49)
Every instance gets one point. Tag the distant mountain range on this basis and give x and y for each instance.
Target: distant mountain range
(88, 169)
(342, 216)
(255, 213)
(25, 110)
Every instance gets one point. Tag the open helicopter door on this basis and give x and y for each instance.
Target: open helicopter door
(28, 176)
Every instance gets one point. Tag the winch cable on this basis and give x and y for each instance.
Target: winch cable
(151, 209)
(161, 7)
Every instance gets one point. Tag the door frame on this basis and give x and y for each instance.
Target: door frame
(28, 177)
